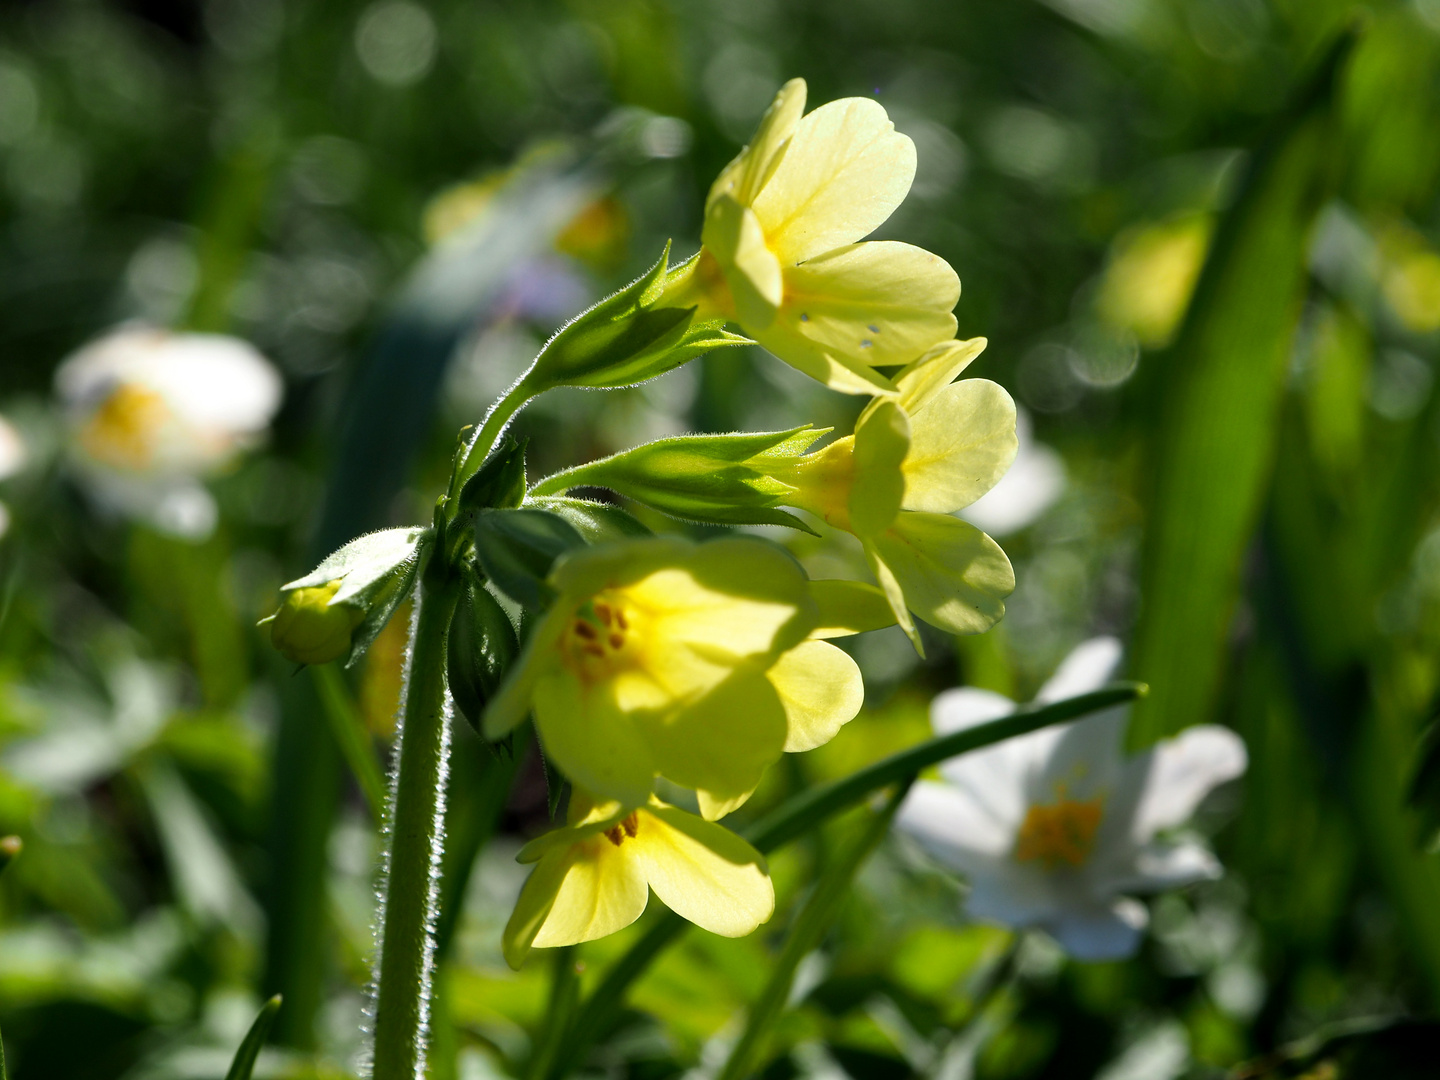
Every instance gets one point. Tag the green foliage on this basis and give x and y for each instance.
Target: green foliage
(718, 479)
(516, 548)
(626, 338)
(481, 647)
(244, 1064)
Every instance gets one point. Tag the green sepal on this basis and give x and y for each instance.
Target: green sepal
(499, 482)
(244, 1063)
(481, 647)
(718, 479)
(376, 573)
(624, 340)
(516, 549)
(597, 522)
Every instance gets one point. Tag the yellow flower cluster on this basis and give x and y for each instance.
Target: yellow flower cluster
(702, 664)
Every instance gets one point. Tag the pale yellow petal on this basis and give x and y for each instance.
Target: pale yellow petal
(702, 871)
(961, 443)
(841, 372)
(844, 172)
(713, 808)
(723, 742)
(745, 176)
(877, 303)
(592, 740)
(951, 574)
(602, 890)
(882, 444)
(849, 607)
(508, 708)
(535, 903)
(732, 234)
(738, 597)
(821, 689)
(894, 594)
(935, 370)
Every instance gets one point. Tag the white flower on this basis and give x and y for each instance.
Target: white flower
(1055, 828)
(1034, 482)
(152, 412)
(12, 460)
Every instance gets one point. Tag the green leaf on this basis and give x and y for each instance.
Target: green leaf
(500, 480)
(1216, 426)
(481, 647)
(718, 479)
(244, 1063)
(597, 522)
(820, 910)
(516, 549)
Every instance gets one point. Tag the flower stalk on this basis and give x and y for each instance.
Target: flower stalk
(405, 969)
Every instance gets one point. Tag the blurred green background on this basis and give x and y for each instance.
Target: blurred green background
(1202, 239)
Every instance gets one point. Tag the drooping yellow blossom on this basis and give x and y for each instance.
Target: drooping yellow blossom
(660, 657)
(917, 456)
(782, 255)
(594, 876)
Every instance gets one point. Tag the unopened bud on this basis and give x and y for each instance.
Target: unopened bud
(309, 629)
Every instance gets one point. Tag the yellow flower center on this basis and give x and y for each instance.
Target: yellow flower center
(122, 431)
(600, 640)
(823, 481)
(629, 826)
(1062, 833)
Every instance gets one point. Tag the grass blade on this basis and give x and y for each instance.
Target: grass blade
(1217, 426)
(244, 1063)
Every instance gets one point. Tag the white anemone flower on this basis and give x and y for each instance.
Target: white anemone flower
(151, 413)
(1035, 480)
(12, 460)
(1057, 828)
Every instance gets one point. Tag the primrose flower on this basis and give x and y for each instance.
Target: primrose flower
(660, 657)
(781, 254)
(1054, 829)
(917, 456)
(594, 876)
(152, 412)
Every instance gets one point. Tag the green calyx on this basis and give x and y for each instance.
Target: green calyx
(626, 338)
(720, 479)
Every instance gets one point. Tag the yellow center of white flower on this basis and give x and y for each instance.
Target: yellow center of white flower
(601, 640)
(123, 431)
(1060, 833)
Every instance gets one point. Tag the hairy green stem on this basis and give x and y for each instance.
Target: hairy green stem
(490, 431)
(803, 812)
(819, 912)
(417, 813)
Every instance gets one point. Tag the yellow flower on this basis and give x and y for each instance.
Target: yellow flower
(308, 628)
(594, 876)
(917, 456)
(781, 253)
(660, 657)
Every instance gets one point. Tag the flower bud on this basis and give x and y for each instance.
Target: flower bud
(309, 629)
(337, 609)
(481, 647)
